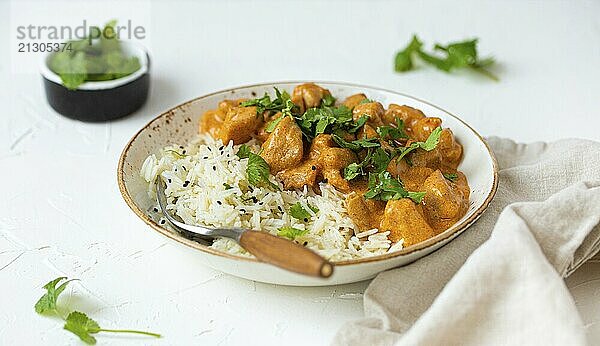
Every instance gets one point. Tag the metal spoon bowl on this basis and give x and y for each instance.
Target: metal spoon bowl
(264, 246)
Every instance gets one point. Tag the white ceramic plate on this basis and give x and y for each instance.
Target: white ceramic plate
(179, 125)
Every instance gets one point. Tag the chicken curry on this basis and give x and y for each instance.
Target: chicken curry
(396, 166)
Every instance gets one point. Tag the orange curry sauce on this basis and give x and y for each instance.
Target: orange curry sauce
(298, 161)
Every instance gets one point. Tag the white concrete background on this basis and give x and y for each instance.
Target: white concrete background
(61, 212)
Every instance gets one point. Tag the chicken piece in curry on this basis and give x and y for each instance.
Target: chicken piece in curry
(397, 167)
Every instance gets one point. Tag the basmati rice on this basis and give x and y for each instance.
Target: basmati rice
(206, 185)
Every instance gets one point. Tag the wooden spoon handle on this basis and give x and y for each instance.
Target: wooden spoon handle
(285, 254)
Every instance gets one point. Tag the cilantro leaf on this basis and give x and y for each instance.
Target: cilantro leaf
(328, 100)
(291, 232)
(298, 212)
(47, 302)
(432, 141)
(417, 197)
(352, 171)
(281, 102)
(384, 187)
(79, 324)
(322, 124)
(356, 144)
(380, 160)
(289, 107)
(258, 171)
(453, 56)
(451, 176)
(76, 322)
(358, 124)
(404, 58)
(243, 152)
(428, 145)
(376, 160)
(261, 103)
(363, 101)
(394, 133)
(273, 124)
(440, 63)
(286, 111)
(324, 119)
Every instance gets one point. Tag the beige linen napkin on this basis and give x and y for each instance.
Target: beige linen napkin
(509, 291)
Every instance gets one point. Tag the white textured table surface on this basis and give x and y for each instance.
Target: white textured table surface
(61, 212)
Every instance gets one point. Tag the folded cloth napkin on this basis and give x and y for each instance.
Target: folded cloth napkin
(543, 223)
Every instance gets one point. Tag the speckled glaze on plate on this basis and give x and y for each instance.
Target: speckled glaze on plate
(180, 124)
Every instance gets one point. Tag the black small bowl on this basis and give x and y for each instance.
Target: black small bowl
(103, 100)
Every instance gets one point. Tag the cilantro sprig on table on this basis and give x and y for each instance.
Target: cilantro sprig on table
(76, 322)
(455, 55)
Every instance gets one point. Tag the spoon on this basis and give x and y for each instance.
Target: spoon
(264, 246)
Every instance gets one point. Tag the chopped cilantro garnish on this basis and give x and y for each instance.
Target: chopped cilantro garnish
(380, 160)
(286, 111)
(356, 145)
(451, 176)
(358, 124)
(258, 170)
(291, 232)
(363, 101)
(384, 187)
(324, 119)
(352, 171)
(376, 160)
(428, 145)
(266, 104)
(273, 124)
(243, 152)
(328, 101)
(298, 212)
(391, 132)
